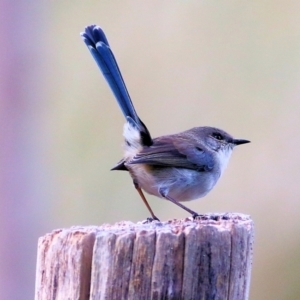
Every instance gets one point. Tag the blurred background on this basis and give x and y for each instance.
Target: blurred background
(228, 64)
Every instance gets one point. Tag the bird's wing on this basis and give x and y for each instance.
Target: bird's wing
(178, 153)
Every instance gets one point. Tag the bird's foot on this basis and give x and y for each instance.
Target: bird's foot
(197, 216)
(150, 220)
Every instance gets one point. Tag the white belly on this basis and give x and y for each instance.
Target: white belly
(180, 184)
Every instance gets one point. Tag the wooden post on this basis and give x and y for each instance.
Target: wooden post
(207, 258)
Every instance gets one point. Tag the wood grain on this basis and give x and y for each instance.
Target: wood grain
(207, 258)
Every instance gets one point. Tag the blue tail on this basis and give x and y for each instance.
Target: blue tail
(98, 45)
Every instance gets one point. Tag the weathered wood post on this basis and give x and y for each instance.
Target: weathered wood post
(207, 258)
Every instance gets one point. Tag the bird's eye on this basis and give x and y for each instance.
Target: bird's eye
(218, 136)
(199, 149)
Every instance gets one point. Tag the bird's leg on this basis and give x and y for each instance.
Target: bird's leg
(145, 201)
(193, 213)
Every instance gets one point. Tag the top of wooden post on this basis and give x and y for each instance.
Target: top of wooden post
(206, 258)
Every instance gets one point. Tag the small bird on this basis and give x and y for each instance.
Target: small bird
(177, 167)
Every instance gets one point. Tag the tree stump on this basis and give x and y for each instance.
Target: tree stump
(206, 258)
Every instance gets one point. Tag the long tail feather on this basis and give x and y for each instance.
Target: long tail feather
(98, 45)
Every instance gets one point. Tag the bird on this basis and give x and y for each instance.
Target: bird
(177, 167)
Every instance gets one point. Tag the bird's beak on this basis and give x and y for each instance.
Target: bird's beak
(240, 142)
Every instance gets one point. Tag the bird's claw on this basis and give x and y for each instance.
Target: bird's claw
(150, 220)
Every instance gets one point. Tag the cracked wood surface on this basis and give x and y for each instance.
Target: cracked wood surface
(207, 258)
